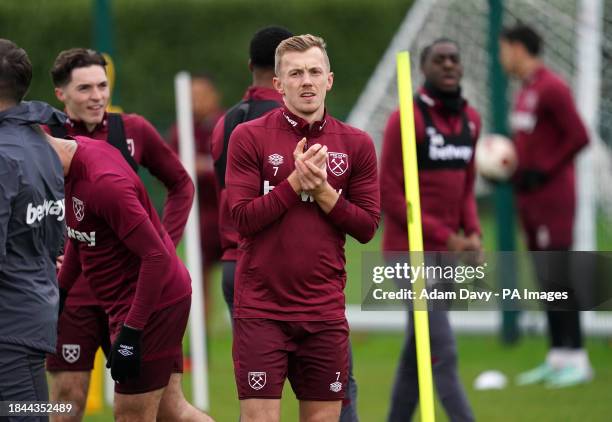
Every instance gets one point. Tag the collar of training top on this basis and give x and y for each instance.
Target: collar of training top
(453, 105)
(79, 125)
(302, 127)
(535, 75)
(262, 93)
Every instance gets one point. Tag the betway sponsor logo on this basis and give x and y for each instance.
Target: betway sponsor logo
(450, 152)
(523, 121)
(267, 188)
(36, 213)
(89, 238)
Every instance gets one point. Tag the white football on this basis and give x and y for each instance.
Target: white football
(495, 157)
(490, 380)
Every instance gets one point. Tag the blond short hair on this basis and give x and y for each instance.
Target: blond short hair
(299, 43)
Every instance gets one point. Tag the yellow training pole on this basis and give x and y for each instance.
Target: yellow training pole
(110, 73)
(415, 234)
(95, 397)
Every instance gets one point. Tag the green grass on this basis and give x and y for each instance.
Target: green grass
(376, 355)
(375, 361)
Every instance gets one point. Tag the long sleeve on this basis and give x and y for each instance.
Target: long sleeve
(469, 211)
(71, 267)
(558, 102)
(252, 212)
(359, 214)
(145, 243)
(164, 164)
(118, 204)
(8, 191)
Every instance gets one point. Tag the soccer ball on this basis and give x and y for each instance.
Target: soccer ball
(495, 157)
(490, 380)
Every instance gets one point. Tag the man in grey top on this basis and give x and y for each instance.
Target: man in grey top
(31, 233)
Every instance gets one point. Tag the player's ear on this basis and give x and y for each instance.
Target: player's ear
(330, 80)
(278, 85)
(59, 94)
(250, 66)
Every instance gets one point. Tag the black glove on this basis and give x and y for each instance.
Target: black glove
(63, 294)
(124, 356)
(529, 180)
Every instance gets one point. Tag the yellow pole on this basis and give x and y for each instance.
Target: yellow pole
(95, 399)
(415, 234)
(110, 74)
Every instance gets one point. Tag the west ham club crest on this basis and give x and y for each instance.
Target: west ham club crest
(257, 380)
(79, 208)
(337, 162)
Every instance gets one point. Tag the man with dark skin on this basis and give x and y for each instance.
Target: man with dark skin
(446, 132)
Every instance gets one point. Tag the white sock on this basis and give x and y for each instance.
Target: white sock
(556, 357)
(578, 358)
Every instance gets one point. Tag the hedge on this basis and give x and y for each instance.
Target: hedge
(156, 38)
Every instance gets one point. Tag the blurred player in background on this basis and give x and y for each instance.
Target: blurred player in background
(206, 112)
(298, 181)
(260, 98)
(548, 133)
(118, 244)
(82, 85)
(31, 234)
(446, 132)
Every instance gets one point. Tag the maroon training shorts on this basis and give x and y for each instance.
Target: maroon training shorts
(312, 354)
(161, 349)
(81, 330)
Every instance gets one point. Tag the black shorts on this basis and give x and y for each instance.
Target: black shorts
(22, 378)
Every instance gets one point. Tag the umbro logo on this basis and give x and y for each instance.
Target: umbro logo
(125, 350)
(275, 159)
(336, 387)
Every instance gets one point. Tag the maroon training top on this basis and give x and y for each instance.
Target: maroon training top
(291, 254)
(447, 194)
(149, 150)
(116, 238)
(229, 235)
(548, 133)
